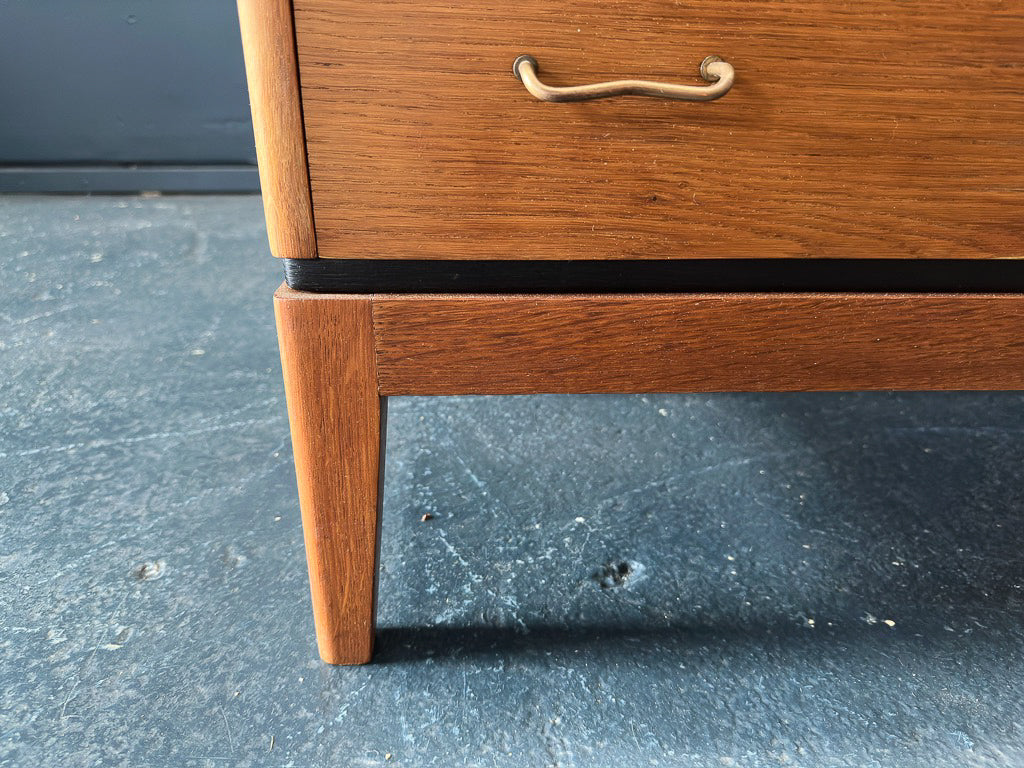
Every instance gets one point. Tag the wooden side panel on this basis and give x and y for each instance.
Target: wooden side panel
(869, 129)
(268, 41)
(439, 345)
(335, 413)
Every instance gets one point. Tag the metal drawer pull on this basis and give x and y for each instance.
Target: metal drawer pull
(715, 71)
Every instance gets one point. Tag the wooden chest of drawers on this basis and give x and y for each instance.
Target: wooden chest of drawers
(853, 130)
(835, 203)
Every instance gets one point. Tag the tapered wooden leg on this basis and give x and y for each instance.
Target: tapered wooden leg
(335, 411)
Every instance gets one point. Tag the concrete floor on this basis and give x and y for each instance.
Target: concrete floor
(715, 580)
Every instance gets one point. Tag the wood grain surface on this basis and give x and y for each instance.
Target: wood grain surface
(268, 41)
(335, 415)
(441, 345)
(342, 354)
(855, 129)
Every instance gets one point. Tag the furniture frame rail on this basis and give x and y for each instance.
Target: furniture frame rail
(343, 355)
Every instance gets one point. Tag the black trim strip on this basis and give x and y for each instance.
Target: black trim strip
(675, 276)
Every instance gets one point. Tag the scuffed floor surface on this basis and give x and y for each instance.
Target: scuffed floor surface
(715, 580)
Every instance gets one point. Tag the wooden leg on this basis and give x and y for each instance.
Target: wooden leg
(341, 353)
(335, 411)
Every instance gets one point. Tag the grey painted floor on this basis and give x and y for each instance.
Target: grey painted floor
(715, 580)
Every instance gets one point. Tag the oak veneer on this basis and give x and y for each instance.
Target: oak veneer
(854, 130)
(337, 427)
(268, 41)
(341, 354)
(447, 345)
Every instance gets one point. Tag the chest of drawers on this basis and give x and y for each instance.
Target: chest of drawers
(768, 195)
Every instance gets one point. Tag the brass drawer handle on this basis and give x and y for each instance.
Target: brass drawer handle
(715, 71)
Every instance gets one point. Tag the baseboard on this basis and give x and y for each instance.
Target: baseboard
(129, 179)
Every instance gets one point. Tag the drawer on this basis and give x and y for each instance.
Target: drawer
(854, 130)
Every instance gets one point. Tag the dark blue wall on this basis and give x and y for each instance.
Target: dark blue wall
(115, 82)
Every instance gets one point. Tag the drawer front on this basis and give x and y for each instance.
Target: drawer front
(871, 129)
